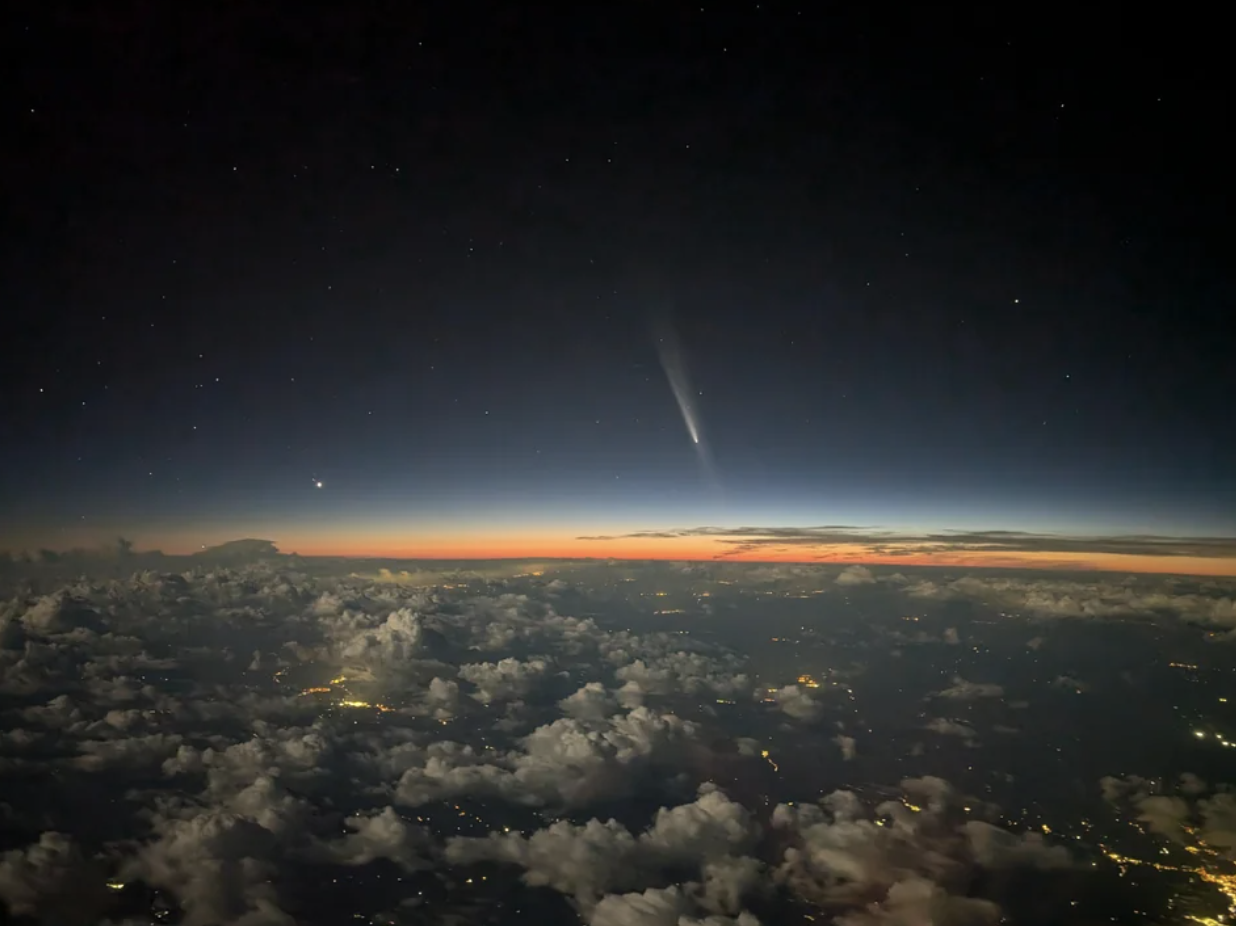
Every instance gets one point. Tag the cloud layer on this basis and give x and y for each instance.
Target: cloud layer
(212, 741)
(1200, 555)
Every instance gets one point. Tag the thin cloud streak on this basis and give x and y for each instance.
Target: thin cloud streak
(878, 542)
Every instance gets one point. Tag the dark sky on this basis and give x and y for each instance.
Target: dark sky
(949, 268)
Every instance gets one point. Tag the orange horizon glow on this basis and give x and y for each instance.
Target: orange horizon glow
(703, 549)
(537, 543)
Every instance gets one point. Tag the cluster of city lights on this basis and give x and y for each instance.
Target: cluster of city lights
(372, 705)
(339, 682)
(1226, 883)
(1219, 738)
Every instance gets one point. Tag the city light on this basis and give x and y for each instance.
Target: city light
(376, 707)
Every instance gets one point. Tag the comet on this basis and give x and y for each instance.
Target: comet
(676, 373)
(675, 368)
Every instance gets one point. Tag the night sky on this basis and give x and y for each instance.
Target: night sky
(925, 272)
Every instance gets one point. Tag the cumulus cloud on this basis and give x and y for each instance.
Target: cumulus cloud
(855, 575)
(914, 857)
(129, 752)
(995, 848)
(669, 906)
(1192, 784)
(1186, 811)
(594, 859)
(918, 900)
(442, 698)
(570, 761)
(61, 613)
(50, 878)
(946, 727)
(583, 861)
(257, 719)
(962, 690)
(1077, 599)
(382, 835)
(1068, 683)
(798, 702)
(217, 863)
(505, 679)
(685, 672)
(396, 640)
(590, 702)
(250, 767)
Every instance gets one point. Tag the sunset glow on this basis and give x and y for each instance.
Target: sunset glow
(1163, 556)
